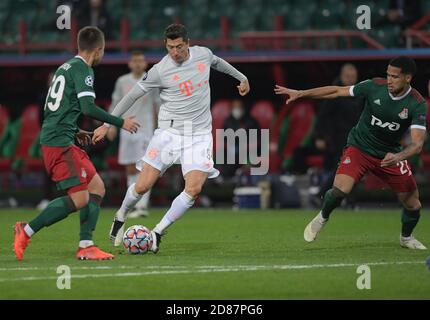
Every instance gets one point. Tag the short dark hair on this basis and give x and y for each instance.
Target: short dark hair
(406, 64)
(175, 31)
(136, 53)
(89, 38)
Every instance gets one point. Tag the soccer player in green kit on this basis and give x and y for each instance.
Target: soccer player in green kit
(70, 95)
(392, 107)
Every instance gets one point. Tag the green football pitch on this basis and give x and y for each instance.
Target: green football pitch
(224, 254)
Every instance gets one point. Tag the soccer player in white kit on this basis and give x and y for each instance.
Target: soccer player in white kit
(184, 126)
(132, 147)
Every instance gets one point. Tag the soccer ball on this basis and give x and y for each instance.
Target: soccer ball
(137, 239)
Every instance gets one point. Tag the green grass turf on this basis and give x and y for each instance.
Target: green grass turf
(221, 254)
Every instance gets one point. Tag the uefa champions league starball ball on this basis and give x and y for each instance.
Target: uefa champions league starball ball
(137, 239)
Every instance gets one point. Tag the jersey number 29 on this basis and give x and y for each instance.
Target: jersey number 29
(56, 93)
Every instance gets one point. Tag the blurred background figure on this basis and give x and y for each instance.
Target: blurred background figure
(335, 118)
(94, 13)
(132, 147)
(239, 118)
(404, 12)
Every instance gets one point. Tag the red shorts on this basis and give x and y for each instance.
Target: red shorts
(69, 167)
(355, 163)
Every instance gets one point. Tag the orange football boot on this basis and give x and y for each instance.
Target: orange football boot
(21, 240)
(92, 253)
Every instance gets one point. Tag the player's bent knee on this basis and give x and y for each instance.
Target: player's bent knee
(413, 205)
(193, 191)
(80, 199)
(101, 191)
(141, 188)
(337, 193)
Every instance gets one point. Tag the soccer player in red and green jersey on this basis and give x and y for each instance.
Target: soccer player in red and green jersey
(392, 107)
(70, 95)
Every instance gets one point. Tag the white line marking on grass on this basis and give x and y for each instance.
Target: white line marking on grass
(198, 269)
(91, 268)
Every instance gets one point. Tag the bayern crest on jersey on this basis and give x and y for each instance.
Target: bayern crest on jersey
(403, 114)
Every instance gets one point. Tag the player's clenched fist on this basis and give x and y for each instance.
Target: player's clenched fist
(243, 88)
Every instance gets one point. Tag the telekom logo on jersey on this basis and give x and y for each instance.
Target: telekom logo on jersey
(187, 87)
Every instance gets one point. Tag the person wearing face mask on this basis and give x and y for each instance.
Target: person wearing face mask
(238, 119)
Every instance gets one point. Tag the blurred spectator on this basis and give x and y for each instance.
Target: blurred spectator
(404, 12)
(239, 119)
(94, 13)
(334, 120)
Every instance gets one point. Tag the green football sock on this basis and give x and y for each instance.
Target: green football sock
(409, 221)
(57, 210)
(332, 199)
(89, 216)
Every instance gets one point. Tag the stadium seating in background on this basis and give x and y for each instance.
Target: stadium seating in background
(293, 127)
(264, 112)
(8, 144)
(28, 133)
(220, 111)
(4, 122)
(18, 139)
(4, 119)
(147, 20)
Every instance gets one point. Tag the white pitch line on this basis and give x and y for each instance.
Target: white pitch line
(208, 266)
(90, 268)
(208, 269)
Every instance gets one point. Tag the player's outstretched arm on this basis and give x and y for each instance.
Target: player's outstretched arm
(91, 110)
(129, 124)
(128, 100)
(328, 92)
(415, 147)
(223, 66)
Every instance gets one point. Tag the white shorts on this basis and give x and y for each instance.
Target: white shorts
(192, 152)
(132, 147)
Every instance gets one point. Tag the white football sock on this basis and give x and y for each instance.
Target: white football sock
(85, 243)
(179, 206)
(28, 231)
(130, 200)
(144, 201)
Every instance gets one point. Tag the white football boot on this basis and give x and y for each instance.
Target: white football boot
(411, 243)
(314, 227)
(116, 232)
(156, 240)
